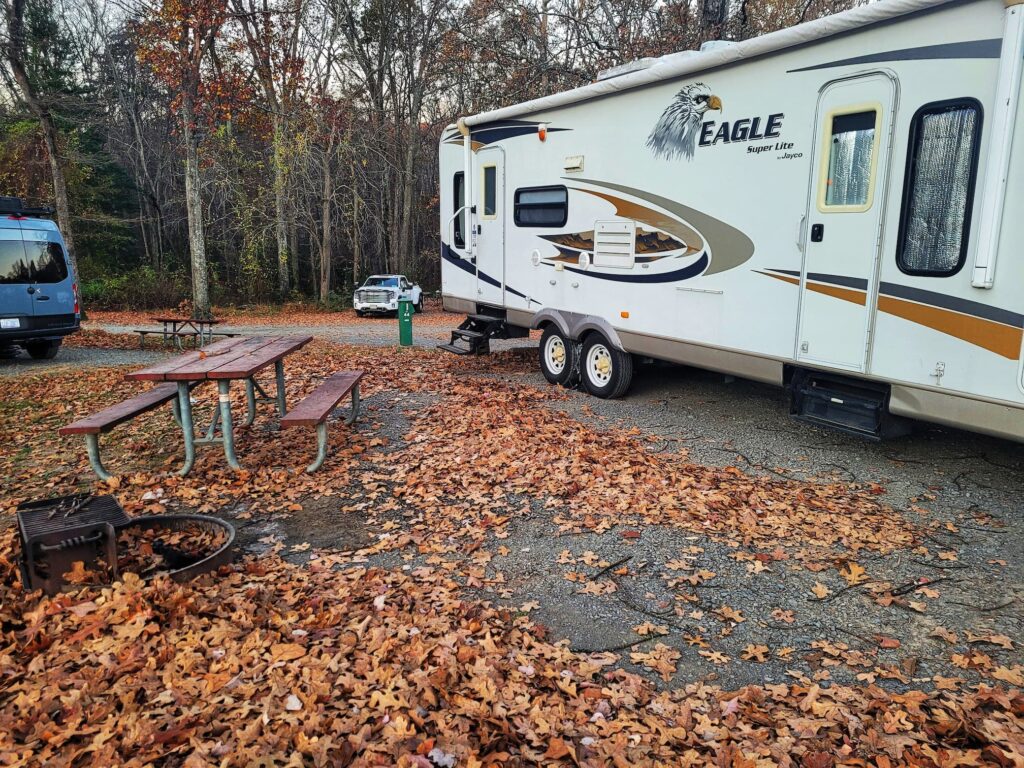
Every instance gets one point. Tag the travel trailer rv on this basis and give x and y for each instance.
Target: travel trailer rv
(837, 208)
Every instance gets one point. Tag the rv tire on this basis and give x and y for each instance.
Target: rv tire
(606, 372)
(557, 357)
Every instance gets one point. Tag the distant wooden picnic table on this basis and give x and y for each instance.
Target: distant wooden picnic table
(177, 328)
(239, 358)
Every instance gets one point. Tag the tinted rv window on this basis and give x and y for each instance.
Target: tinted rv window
(850, 159)
(490, 190)
(46, 261)
(542, 207)
(942, 164)
(459, 197)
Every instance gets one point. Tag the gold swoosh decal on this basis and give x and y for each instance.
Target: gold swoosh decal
(729, 246)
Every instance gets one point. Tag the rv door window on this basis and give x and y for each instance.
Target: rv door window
(490, 192)
(942, 164)
(541, 207)
(851, 160)
(459, 196)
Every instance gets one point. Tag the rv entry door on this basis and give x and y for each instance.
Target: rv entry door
(844, 220)
(490, 256)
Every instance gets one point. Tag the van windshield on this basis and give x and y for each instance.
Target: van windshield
(32, 261)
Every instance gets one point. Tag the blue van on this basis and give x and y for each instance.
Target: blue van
(38, 289)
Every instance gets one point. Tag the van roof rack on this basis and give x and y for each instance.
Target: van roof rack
(13, 206)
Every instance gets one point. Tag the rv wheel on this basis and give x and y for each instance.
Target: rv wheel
(557, 357)
(607, 372)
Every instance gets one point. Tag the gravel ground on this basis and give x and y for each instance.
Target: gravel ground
(76, 357)
(969, 481)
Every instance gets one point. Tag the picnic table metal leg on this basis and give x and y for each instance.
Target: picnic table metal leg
(185, 413)
(176, 411)
(282, 407)
(321, 447)
(227, 430)
(355, 406)
(250, 402)
(92, 447)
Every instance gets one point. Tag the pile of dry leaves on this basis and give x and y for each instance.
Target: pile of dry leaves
(275, 663)
(278, 664)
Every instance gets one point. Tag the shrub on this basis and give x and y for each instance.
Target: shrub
(142, 288)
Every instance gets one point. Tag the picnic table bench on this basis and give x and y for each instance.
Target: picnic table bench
(104, 421)
(314, 409)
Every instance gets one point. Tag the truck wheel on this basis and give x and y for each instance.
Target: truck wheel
(8, 353)
(557, 357)
(418, 306)
(42, 350)
(606, 371)
(360, 313)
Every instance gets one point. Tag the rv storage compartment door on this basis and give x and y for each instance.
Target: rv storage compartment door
(614, 243)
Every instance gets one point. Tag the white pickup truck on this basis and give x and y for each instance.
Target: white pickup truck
(380, 293)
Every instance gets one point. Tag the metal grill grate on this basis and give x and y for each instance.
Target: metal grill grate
(55, 533)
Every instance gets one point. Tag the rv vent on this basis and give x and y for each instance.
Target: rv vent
(614, 242)
(714, 45)
(625, 69)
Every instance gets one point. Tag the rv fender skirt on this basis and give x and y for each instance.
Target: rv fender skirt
(606, 371)
(558, 357)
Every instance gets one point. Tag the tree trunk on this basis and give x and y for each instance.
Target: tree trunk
(325, 235)
(15, 50)
(357, 236)
(408, 192)
(280, 206)
(194, 206)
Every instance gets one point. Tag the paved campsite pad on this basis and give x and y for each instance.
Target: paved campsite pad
(517, 549)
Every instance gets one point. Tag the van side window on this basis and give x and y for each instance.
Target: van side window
(541, 207)
(459, 196)
(942, 164)
(46, 261)
(490, 192)
(851, 163)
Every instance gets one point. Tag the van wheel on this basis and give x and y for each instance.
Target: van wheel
(557, 357)
(42, 350)
(606, 371)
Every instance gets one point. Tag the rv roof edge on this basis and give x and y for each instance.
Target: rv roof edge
(686, 62)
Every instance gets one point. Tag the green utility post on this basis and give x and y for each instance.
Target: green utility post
(405, 322)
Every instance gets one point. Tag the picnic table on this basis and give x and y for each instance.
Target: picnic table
(176, 328)
(238, 358)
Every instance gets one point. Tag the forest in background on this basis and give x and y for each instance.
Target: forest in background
(244, 151)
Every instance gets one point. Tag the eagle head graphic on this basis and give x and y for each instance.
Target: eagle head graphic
(677, 128)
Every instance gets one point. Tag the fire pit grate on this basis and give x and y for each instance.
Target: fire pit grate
(55, 533)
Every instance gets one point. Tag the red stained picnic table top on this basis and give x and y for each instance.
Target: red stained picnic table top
(235, 358)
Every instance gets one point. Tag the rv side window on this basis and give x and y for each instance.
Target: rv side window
(490, 193)
(942, 164)
(542, 207)
(459, 198)
(851, 161)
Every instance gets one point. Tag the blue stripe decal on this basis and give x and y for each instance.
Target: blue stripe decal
(968, 49)
(664, 277)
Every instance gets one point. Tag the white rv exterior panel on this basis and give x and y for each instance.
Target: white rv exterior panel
(717, 159)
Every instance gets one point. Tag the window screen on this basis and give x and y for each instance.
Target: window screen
(459, 196)
(849, 159)
(541, 207)
(46, 261)
(490, 190)
(942, 164)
